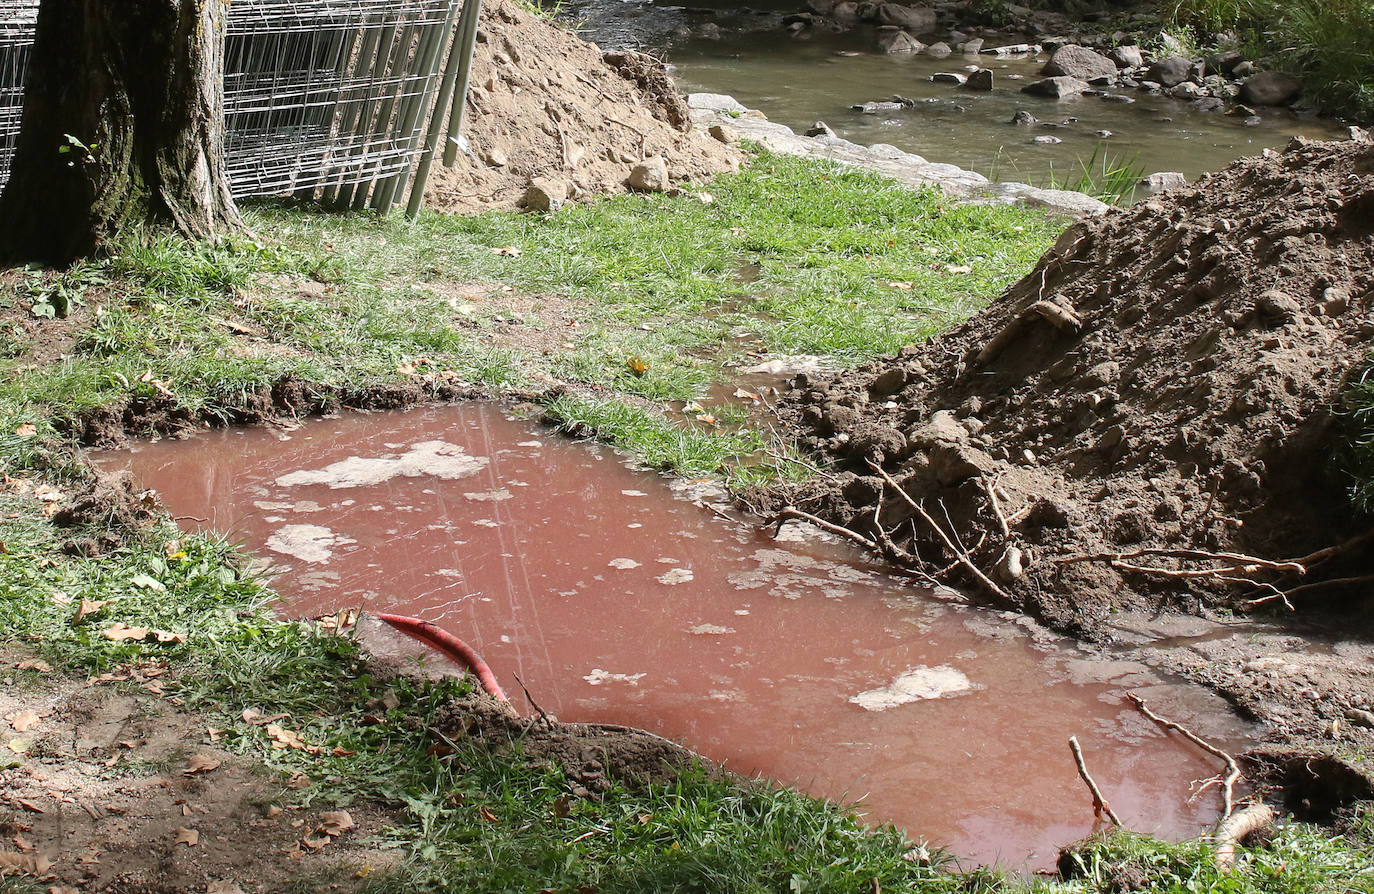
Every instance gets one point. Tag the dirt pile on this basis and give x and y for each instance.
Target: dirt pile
(545, 104)
(1139, 416)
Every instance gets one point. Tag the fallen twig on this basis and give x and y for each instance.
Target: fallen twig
(990, 488)
(791, 512)
(1100, 805)
(1228, 782)
(934, 526)
(1237, 560)
(533, 704)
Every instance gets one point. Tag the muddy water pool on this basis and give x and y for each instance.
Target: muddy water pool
(797, 81)
(617, 597)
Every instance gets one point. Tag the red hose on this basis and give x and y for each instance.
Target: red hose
(451, 646)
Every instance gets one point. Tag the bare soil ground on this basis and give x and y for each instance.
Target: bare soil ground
(545, 103)
(1145, 422)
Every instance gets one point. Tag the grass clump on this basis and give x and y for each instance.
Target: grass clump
(1359, 413)
(1330, 43)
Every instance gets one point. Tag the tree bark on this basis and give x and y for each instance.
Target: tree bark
(123, 126)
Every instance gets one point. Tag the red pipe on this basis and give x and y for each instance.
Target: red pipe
(451, 646)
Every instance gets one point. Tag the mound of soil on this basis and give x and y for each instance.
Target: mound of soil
(1147, 408)
(544, 103)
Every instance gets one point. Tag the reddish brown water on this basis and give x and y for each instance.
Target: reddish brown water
(616, 601)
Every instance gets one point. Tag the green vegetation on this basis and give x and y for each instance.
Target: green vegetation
(1330, 43)
(1360, 423)
(1106, 176)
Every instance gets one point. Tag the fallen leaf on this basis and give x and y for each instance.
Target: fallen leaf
(147, 375)
(314, 843)
(638, 365)
(23, 721)
(47, 494)
(335, 822)
(958, 268)
(213, 734)
(188, 837)
(164, 636)
(88, 607)
(24, 845)
(27, 430)
(148, 582)
(298, 780)
(200, 763)
(62, 889)
(18, 746)
(904, 286)
(744, 394)
(256, 717)
(487, 814)
(509, 251)
(706, 418)
(340, 751)
(35, 664)
(563, 806)
(35, 865)
(119, 632)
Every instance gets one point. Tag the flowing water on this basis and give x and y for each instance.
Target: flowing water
(799, 81)
(618, 598)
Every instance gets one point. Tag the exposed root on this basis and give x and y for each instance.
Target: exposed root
(1100, 806)
(1232, 830)
(1228, 782)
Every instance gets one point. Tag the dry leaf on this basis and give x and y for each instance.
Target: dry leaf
(35, 865)
(340, 751)
(200, 763)
(24, 845)
(335, 822)
(256, 717)
(638, 365)
(904, 286)
(285, 738)
(35, 664)
(23, 721)
(563, 806)
(27, 430)
(487, 814)
(62, 889)
(959, 268)
(88, 607)
(225, 887)
(744, 394)
(314, 843)
(188, 837)
(706, 418)
(509, 251)
(164, 636)
(119, 632)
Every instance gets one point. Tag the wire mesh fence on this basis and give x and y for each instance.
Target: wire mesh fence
(322, 98)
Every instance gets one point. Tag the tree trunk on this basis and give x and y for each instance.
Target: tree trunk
(123, 125)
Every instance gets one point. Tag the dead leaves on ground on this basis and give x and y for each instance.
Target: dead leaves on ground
(333, 823)
(23, 721)
(121, 632)
(200, 763)
(188, 837)
(35, 865)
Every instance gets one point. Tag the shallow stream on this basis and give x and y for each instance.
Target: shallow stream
(617, 596)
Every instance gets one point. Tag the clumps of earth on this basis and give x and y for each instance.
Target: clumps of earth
(1144, 421)
(551, 119)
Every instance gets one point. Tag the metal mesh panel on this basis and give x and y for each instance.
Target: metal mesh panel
(316, 92)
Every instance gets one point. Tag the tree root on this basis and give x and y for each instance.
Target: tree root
(1100, 806)
(1228, 782)
(1233, 829)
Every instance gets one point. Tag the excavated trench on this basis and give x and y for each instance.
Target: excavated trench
(618, 596)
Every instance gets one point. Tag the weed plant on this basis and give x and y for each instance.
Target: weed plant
(1359, 412)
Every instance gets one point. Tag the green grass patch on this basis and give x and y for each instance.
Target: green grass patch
(1359, 461)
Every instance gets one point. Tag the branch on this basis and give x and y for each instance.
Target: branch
(949, 544)
(1228, 782)
(1100, 805)
(790, 512)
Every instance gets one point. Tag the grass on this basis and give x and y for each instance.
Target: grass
(1359, 461)
(1106, 176)
(1329, 43)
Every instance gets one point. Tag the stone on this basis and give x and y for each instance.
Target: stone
(952, 464)
(873, 108)
(1127, 57)
(820, 129)
(917, 19)
(900, 42)
(979, 80)
(1269, 88)
(971, 47)
(821, 7)
(888, 382)
(1015, 49)
(1061, 87)
(723, 133)
(709, 31)
(650, 175)
(1118, 99)
(1079, 62)
(1243, 70)
(1170, 72)
(497, 158)
(949, 77)
(846, 13)
(1162, 180)
(939, 49)
(1224, 61)
(546, 194)
(1046, 140)
(1210, 104)
(1187, 90)
(941, 428)
(1277, 306)
(1022, 118)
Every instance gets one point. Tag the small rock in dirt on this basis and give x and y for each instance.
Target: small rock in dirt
(546, 194)
(1162, 180)
(1170, 72)
(1079, 62)
(1062, 87)
(650, 175)
(941, 428)
(888, 382)
(877, 443)
(1277, 306)
(1269, 88)
(1360, 717)
(980, 80)
(724, 133)
(955, 463)
(497, 158)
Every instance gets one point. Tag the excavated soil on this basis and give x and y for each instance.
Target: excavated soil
(544, 103)
(1154, 399)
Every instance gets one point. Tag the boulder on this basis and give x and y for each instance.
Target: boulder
(1170, 72)
(1187, 90)
(1079, 62)
(1061, 87)
(845, 13)
(916, 19)
(650, 175)
(820, 129)
(1224, 61)
(1269, 88)
(546, 194)
(1022, 118)
(900, 42)
(821, 7)
(1127, 57)
(1162, 180)
(979, 80)
(940, 49)
(971, 47)
(949, 77)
